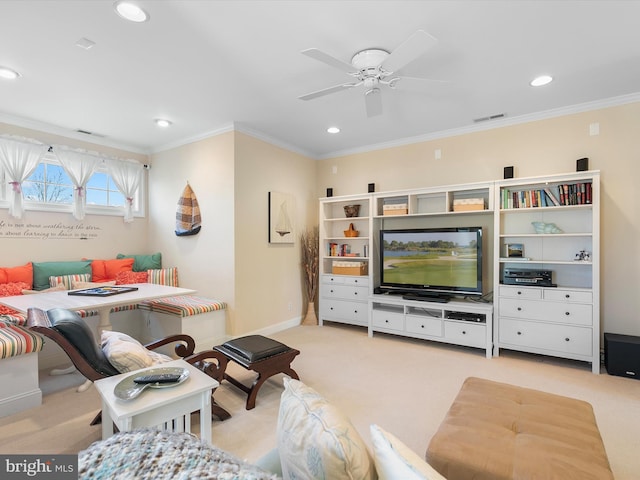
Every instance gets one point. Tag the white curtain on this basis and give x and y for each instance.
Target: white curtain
(19, 157)
(127, 175)
(79, 165)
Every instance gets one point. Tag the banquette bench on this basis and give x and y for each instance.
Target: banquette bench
(202, 318)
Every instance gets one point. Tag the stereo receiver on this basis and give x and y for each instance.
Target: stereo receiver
(539, 278)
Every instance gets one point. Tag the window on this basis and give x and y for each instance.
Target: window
(50, 188)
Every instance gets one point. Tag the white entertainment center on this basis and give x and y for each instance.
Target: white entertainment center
(556, 315)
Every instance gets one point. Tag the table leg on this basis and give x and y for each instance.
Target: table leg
(107, 421)
(105, 320)
(205, 416)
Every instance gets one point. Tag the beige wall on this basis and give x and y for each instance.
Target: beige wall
(113, 235)
(268, 276)
(535, 148)
(205, 261)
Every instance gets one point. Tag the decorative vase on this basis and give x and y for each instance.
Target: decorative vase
(310, 318)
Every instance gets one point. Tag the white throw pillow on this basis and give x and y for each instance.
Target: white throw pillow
(315, 440)
(127, 354)
(57, 288)
(395, 461)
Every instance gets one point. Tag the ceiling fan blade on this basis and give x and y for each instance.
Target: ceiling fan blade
(329, 60)
(327, 91)
(411, 83)
(413, 47)
(373, 102)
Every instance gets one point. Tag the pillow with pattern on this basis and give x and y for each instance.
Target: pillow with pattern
(66, 281)
(127, 278)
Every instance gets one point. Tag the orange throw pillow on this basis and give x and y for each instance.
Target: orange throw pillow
(107, 270)
(17, 274)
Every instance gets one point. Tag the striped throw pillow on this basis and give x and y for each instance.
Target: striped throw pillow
(67, 281)
(164, 276)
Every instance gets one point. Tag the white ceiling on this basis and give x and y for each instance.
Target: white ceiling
(208, 65)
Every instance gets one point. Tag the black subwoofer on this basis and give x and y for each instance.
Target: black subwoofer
(622, 355)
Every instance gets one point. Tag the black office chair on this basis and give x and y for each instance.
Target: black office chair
(72, 334)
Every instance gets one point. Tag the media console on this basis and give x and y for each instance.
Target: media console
(457, 322)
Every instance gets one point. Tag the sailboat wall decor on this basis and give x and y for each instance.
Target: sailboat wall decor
(281, 215)
(188, 220)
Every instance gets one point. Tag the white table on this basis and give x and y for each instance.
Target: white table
(62, 299)
(166, 408)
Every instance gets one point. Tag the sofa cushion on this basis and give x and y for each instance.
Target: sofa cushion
(127, 354)
(9, 290)
(393, 459)
(43, 270)
(107, 270)
(66, 281)
(23, 273)
(142, 263)
(78, 285)
(316, 440)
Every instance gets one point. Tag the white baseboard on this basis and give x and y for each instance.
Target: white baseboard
(293, 322)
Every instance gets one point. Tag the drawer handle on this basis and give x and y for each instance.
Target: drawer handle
(331, 290)
(567, 313)
(386, 321)
(519, 292)
(519, 333)
(567, 339)
(464, 332)
(421, 326)
(519, 309)
(355, 293)
(567, 296)
(355, 311)
(331, 308)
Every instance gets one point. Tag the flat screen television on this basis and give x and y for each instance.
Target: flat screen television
(432, 263)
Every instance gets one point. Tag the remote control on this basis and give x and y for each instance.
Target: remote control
(162, 378)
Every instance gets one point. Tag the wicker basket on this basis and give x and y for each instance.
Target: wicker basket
(352, 232)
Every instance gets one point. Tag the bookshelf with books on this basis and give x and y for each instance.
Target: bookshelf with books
(554, 222)
(344, 259)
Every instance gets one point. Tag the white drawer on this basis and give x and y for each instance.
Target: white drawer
(561, 295)
(353, 312)
(520, 292)
(346, 292)
(332, 279)
(357, 281)
(466, 333)
(423, 325)
(388, 320)
(544, 336)
(556, 312)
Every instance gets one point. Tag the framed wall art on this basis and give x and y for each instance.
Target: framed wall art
(281, 215)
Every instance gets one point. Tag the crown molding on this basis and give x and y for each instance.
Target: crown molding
(273, 141)
(195, 138)
(490, 125)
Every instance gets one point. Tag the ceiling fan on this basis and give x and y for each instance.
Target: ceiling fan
(374, 68)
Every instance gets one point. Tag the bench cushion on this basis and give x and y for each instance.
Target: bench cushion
(496, 431)
(16, 340)
(182, 305)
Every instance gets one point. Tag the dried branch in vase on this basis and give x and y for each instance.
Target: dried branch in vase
(310, 255)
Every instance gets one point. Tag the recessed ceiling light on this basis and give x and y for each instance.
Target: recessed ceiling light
(130, 11)
(6, 72)
(541, 80)
(333, 130)
(161, 122)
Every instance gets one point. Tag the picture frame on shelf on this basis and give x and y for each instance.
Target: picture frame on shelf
(514, 250)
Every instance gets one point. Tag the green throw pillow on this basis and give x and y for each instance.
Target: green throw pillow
(42, 271)
(142, 263)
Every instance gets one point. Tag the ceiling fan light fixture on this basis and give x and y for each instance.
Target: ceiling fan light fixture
(162, 122)
(8, 73)
(333, 130)
(130, 11)
(541, 80)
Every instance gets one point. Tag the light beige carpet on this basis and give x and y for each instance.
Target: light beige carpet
(406, 386)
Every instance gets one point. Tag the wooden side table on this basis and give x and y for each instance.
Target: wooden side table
(166, 408)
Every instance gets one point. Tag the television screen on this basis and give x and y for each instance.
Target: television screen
(444, 260)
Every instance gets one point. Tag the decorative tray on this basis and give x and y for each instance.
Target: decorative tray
(127, 389)
(102, 291)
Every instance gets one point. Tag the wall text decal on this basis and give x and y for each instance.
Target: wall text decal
(49, 231)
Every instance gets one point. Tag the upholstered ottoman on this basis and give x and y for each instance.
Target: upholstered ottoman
(496, 431)
(265, 356)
